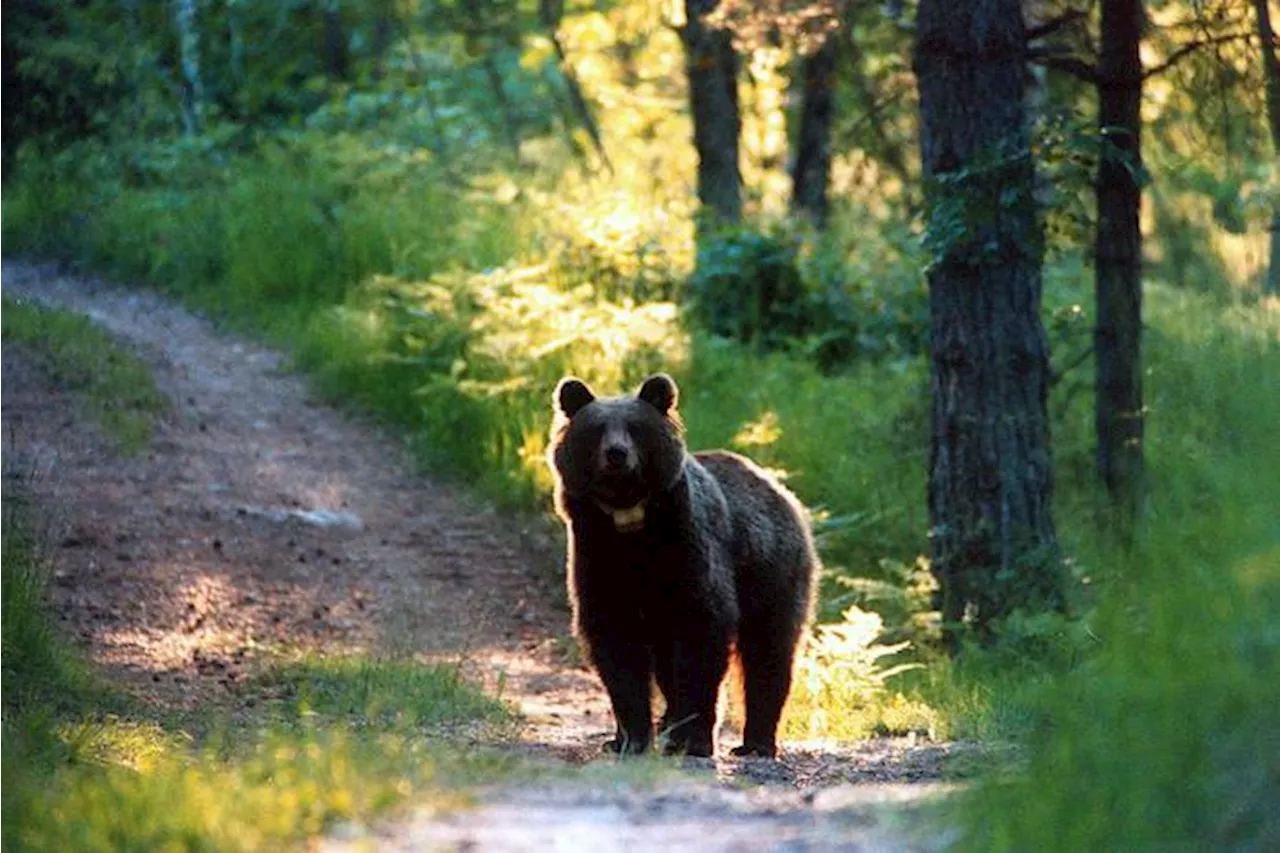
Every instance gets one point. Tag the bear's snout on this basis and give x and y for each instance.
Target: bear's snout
(618, 457)
(617, 451)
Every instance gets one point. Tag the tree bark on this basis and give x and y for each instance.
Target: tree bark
(1271, 73)
(990, 486)
(336, 60)
(511, 125)
(712, 67)
(1118, 263)
(189, 58)
(12, 96)
(811, 172)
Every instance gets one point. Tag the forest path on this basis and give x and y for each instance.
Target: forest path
(260, 519)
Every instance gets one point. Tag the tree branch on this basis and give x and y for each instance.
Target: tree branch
(1052, 25)
(1056, 376)
(1072, 65)
(1190, 48)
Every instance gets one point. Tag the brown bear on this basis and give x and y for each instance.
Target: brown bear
(676, 560)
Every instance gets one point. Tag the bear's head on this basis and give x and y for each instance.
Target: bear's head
(617, 451)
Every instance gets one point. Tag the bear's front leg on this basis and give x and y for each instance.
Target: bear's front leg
(627, 672)
(689, 674)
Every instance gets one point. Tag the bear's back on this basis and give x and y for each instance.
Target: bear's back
(770, 538)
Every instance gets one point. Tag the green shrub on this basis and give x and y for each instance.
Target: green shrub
(747, 287)
(837, 305)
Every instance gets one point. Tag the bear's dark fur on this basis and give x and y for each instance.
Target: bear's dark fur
(675, 560)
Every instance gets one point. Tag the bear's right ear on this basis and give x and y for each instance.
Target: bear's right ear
(571, 395)
(660, 391)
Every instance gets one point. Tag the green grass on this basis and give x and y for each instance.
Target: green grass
(1164, 738)
(112, 384)
(381, 692)
(280, 787)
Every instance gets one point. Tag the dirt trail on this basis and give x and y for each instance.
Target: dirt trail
(260, 519)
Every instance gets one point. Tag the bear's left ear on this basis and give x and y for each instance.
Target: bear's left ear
(660, 392)
(572, 394)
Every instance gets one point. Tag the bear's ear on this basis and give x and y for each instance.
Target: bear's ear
(571, 395)
(660, 391)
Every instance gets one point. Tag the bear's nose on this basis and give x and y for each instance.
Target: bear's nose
(615, 456)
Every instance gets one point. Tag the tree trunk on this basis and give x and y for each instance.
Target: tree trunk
(990, 483)
(1118, 263)
(510, 118)
(811, 172)
(12, 96)
(383, 32)
(336, 60)
(189, 58)
(712, 67)
(1271, 73)
(551, 12)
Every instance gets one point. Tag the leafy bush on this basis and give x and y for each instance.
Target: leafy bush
(747, 287)
(469, 361)
(774, 291)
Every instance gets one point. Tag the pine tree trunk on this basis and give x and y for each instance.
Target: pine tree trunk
(1271, 73)
(712, 66)
(811, 173)
(1118, 264)
(990, 486)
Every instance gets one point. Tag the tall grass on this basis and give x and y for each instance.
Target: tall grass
(1164, 738)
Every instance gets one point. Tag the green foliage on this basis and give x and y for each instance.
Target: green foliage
(773, 291)
(747, 287)
(851, 446)
(438, 250)
(378, 693)
(280, 788)
(986, 212)
(469, 360)
(842, 686)
(39, 670)
(1162, 737)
